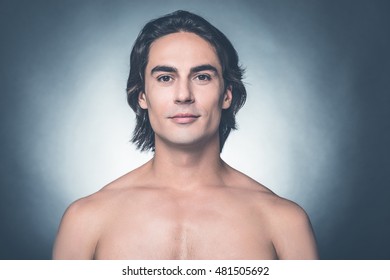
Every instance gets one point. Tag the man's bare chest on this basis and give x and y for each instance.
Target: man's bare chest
(193, 232)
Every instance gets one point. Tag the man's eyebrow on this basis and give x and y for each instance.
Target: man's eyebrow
(195, 69)
(204, 67)
(163, 68)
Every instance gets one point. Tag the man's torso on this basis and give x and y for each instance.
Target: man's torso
(162, 223)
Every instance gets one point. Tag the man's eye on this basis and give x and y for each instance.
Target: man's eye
(164, 79)
(203, 77)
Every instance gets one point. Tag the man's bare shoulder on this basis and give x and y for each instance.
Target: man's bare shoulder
(77, 234)
(280, 216)
(281, 210)
(291, 230)
(85, 219)
(263, 196)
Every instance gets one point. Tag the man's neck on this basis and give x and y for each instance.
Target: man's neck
(188, 167)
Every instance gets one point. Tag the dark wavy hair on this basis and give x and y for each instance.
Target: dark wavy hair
(182, 21)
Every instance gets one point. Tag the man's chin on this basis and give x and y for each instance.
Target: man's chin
(187, 144)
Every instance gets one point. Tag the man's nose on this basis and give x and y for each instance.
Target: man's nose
(184, 93)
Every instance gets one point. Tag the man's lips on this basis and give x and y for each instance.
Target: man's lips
(184, 118)
(184, 115)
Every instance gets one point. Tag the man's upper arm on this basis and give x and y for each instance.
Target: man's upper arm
(293, 235)
(76, 237)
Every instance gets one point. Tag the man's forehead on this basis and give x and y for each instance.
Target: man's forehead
(182, 49)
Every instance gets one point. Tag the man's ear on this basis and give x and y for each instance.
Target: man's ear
(227, 98)
(142, 100)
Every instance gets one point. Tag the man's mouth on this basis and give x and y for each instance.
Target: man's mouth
(184, 118)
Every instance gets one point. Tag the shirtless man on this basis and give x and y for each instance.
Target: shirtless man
(185, 203)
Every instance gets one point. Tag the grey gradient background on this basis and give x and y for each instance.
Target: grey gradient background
(315, 128)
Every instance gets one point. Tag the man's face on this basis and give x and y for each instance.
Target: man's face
(184, 90)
